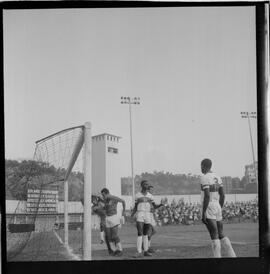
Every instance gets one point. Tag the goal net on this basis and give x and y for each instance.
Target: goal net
(49, 217)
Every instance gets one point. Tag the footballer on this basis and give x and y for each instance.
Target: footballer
(112, 220)
(213, 197)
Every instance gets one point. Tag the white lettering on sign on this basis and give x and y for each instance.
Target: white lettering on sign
(45, 191)
(42, 201)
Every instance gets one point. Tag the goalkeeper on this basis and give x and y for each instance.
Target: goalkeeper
(98, 208)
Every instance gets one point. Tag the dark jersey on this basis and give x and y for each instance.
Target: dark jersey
(111, 205)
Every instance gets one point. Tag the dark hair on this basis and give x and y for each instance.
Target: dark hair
(207, 163)
(105, 191)
(142, 182)
(94, 198)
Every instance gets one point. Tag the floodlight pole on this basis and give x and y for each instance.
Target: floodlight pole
(131, 156)
(129, 101)
(248, 115)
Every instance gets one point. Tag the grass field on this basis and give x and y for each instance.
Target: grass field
(174, 242)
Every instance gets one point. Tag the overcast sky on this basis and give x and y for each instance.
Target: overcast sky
(193, 68)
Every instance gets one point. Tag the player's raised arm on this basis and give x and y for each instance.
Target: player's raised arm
(221, 196)
(112, 197)
(157, 206)
(117, 199)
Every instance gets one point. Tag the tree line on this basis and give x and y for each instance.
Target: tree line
(166, 183)
(21, 175)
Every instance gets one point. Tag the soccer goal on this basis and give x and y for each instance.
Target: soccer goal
(53, 215)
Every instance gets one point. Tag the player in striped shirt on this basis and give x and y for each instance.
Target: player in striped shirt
(213, 197)
(152, 230)
(143, 203)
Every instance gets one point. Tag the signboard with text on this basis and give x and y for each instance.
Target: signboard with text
(42, 201)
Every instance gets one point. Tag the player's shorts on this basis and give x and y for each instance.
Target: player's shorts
(112, 221)
(153, 222)
(214, 211)
(144, 217)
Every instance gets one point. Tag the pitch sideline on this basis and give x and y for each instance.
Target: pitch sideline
(202, 240)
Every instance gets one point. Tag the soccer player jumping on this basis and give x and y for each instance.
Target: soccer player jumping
(212, 200)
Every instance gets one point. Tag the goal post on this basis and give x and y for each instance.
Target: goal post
(87, 192)
(60, 171)
(74, 156)
(85, 141)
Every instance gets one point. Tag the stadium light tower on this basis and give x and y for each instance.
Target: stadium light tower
(248, 115)
(131, 101)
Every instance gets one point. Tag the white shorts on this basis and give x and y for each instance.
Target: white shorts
(112, 221)
(144, 217)
(214, 211)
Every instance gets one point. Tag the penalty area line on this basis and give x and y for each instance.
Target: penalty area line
(69, 250)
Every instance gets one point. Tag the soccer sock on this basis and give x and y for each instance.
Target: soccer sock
(145, 242)
(112, 244)
(216, 248)
(108, 243)
(149, 243)
(139, 244)
(102, 236)
(226, 243)
(119, 246)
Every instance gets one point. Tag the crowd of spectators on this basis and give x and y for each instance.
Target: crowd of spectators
(242, 210)
(190, 213)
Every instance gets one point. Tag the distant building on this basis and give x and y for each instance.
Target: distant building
(250, 173)
(105, 164)
(227, 184)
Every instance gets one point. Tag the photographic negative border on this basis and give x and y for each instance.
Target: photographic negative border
(238, 265)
